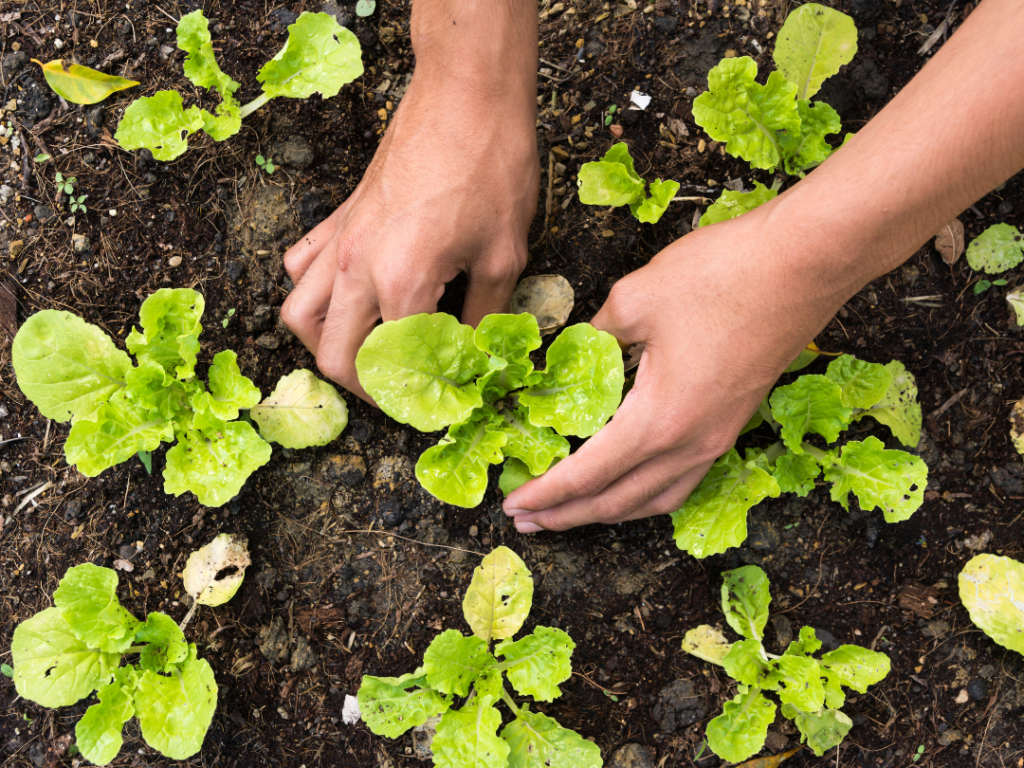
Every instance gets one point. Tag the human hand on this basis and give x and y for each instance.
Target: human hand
(719, 321)
(451, 189)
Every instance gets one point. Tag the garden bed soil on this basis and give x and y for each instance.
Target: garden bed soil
(355, 569)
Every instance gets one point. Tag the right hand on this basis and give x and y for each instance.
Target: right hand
(453, 188)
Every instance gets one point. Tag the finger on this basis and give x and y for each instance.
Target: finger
(352, 315)
(672, 498)
(622, 313)
(300, 256)
(398, 297)
(491, 285)
(618, 448)
(617, 503)
(306, 307)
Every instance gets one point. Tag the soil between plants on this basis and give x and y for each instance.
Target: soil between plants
(354, 568)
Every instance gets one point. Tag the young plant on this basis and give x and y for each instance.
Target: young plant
(266, 164)
(431, 372)
(613, 180)
(319, 56)
(495, 607)
(65, 184)
(990, 589)
(810, 689)
(983, 285)
(78, 204)
(72, 371)
(62, 654)
(714, 517)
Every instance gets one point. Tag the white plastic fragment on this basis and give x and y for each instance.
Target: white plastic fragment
(641, 100)
(350, 713)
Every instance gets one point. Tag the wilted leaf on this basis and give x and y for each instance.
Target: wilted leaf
(302, 411)
(81, 85)
(8, 309)
(769, 762)
(1017, 426)
(1015, 298)
(708, 643)
(549, 298)
(949, 241)
(200, 574)
(990, 589)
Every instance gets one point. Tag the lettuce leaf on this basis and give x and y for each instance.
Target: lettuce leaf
(160, 124)
(862, 384)
(990, 586)
(54, 668)
(997, 249)
(806, 148)
(202, 69)
(650, 211)
(301, 412)
(170, 330)
(746, 115)
(468, 737)
(98, 733)
(455, 470)
(115, 432)
(739, 732)
(899, 409)
(537, 447)
(514, 473)
(152, 389)
(66, 366)
(745, 599)
(856, 667)
(213, 459)
(731, 204)
(581, 386)
(538, 741)
(796, 473)
(390, 706)
(538, 662)
(812, 403)
(746, 662)
(175, 711)
(612, 180)
(509, 338)
(230, 391)
(813, 44)
(893, 481)
(422, 370)
(87, 599)
(799, 682)
(319, 56)
(714, 517)
(499, 596)
(166, 646)
(453, 661)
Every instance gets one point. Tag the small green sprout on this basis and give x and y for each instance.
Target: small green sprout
(7, 670)
(78, 204)
(146, 457)
(610, 114)
(231, 312)
(65, 184)
(365, 8)
(266, 164)
(919, 753)
(983, 285)
(41, 158)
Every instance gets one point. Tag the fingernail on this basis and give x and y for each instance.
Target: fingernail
(525, 527)
(514, 512)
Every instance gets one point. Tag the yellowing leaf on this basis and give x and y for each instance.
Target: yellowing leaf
(1017, 426)
(499, 597)
(200, 574)
(81, 85)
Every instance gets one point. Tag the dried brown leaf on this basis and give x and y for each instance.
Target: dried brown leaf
(549, 298)
(949, 241)
(8, 309)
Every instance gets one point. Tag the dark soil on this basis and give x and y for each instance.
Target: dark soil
(354, 568)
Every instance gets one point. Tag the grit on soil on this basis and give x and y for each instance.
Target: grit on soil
(355, 569)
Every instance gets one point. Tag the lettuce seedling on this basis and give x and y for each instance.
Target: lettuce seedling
(431, 372)
(810, 689)
(614, 181)
(63, 654)
(72, 371)
(495, 607)
(990, 589)
(319, 56)
(997, 249)
(714, 517)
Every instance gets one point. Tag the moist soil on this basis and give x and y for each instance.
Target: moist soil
(355, 569)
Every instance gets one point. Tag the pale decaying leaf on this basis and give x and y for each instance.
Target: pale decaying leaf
(499, 597)
(949, 241)
(1017, 426)
(708, 643)
(228, 550)
(549, 298)
(1015, 298)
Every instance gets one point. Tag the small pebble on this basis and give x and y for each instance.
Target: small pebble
(977, 689)
(1005, 208)
(616, 130)
(174, 261)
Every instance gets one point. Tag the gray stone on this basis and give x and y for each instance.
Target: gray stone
(269, 341)
(80, 243)
(260, 319)
(294, 151)
(828, 640)
(666, 24)
(233, 270)
(935, 629)
(783, 630)
(281, 19)
(977, 689)
(392, 472)
(303, 656)
(678, 705)
(988, 671)
(274, 641)
(632, 756)
(94, 120)
(342, 16)
(11, 64)
(42, 213)
(6, 192)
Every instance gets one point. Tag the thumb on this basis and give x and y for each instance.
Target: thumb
(623, 314)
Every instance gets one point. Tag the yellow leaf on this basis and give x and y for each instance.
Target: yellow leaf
(499, 597)
(81, 85)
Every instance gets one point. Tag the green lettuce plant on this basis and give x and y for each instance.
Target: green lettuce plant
(319, 56)
(72, 371)
(992, 591)
(63, 654)
(431, 372)
(495, 607)
(811, 690)
(614, 181)
(714, 517)
(997, 249)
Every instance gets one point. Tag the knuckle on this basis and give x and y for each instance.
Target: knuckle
(335, 368)
(581, 485)
(292, 313)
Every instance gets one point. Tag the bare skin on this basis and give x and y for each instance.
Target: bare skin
(722, 311)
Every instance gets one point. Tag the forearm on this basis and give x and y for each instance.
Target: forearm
(478, 49)
(949, 137)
